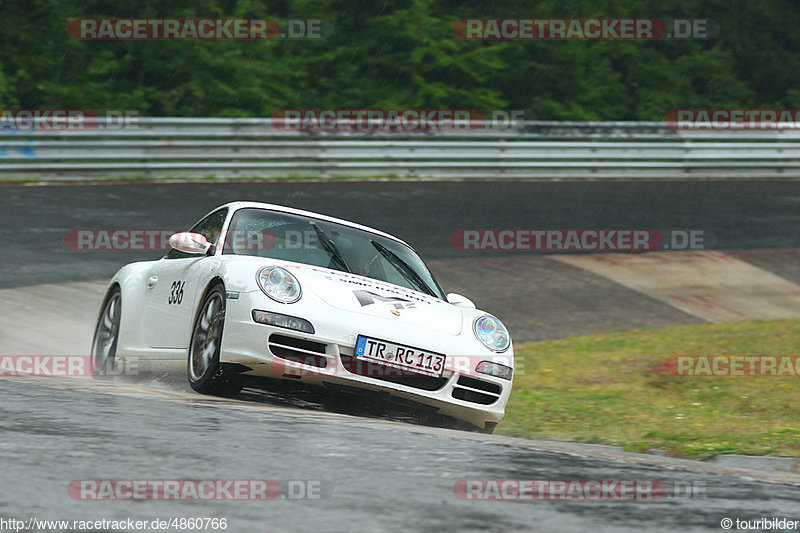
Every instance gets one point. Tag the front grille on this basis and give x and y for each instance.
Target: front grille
(390, 374)
(298, 350)
(476, 390)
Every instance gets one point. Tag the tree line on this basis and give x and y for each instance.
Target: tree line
(397, 54)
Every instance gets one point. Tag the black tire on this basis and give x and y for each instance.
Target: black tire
(106, 333)
(203, 368)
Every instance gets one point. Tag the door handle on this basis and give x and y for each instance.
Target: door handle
(152, 281)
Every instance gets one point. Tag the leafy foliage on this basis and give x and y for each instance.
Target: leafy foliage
(401, 54)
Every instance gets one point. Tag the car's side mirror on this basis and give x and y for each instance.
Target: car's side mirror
(189, 243)
(460, 301)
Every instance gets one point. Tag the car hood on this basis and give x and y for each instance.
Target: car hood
(359, 294)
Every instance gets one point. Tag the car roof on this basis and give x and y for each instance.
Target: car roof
(284, 209)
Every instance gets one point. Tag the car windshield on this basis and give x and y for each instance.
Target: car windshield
(301, 239)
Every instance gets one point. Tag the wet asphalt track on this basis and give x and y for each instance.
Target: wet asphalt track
(382, 477)
(376, 478)
(733, 214)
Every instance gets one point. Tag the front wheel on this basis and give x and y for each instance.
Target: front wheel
(204, 371)
(106, 334)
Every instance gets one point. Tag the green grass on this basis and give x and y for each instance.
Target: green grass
(612, 389)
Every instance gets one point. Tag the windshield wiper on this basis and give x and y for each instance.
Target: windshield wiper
(404, 268)
(331, 248)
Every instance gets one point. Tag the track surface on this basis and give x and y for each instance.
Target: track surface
(733, 215)
(537, 297)
(384, 476)
(381, 478)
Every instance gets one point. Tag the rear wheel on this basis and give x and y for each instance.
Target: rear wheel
(106, 334)
(203, 369)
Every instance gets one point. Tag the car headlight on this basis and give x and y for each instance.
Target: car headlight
(492, 333)
(279, 284)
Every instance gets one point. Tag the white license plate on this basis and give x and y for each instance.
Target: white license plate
(400, 356)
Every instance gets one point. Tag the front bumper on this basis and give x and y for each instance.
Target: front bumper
(325, 358)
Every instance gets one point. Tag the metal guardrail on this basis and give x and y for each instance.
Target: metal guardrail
(174, 147)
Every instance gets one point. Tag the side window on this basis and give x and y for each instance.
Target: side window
(210, 228)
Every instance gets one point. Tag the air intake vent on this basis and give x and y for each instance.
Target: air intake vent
(476, 390)
(479, 384)
(298, 350)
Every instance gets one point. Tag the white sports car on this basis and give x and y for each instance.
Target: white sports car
(264, 290)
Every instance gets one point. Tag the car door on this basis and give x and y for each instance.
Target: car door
(172, 284)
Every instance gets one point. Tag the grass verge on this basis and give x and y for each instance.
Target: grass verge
(612, 389)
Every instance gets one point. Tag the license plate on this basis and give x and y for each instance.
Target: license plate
(400, 356)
